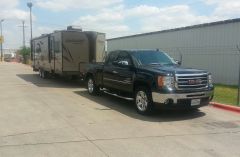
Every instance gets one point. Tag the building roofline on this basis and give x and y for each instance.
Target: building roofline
(180, 28)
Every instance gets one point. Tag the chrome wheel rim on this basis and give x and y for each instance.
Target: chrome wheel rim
(90, 86)
(141, 101)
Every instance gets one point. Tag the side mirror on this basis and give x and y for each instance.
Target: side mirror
(178, 62)
(121, 63)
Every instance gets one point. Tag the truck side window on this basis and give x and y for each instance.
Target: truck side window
(124, 56)
(112, 57)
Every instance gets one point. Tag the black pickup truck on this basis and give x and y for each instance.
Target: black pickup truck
(150, 77)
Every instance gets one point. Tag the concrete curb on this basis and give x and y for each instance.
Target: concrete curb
(226, 107)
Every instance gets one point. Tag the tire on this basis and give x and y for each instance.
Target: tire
(40, 73)
(143, 101)
(91, 86)
(43, 74)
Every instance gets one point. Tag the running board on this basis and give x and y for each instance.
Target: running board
(126, 98)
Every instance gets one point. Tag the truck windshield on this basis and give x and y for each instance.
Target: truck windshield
(152, 58)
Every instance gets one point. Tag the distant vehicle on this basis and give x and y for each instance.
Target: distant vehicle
(63, 52)
(150, 78)
(8, 57)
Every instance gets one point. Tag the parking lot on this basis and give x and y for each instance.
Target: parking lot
(58, 118)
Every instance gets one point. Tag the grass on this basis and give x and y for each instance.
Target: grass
(225, 94)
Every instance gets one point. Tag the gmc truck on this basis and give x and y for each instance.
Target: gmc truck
(150, 78)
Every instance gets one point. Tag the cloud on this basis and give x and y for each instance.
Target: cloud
(225, 7)
(142, 10)
(113, 17)
(9, 10)
(120, 21)
(60, 5)
(14, 14)
(8, 4)
(158, 18)
(108, 22)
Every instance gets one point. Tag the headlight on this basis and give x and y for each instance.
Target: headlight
(165, 81)
(210, 80)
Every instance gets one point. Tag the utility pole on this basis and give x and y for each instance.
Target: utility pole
(23, 26)
(23, 30)
(30, 5)
(1, 21)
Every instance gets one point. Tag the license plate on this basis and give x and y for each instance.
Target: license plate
(195, 102)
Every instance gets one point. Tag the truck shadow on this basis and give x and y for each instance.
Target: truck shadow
(56, 82)
(127, 108)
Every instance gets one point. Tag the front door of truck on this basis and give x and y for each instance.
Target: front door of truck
(124, 72)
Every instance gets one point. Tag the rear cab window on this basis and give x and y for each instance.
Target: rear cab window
(112, 57)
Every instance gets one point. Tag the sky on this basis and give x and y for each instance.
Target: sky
(114, 17)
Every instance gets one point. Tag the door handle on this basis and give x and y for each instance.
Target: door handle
(115, 72)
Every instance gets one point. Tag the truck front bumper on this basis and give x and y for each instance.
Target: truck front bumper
(182, 98)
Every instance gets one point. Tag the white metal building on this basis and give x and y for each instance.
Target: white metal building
(210, 46)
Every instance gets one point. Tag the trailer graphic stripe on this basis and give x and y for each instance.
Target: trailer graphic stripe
(67, 50)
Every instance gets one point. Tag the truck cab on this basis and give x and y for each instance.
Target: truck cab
(151, 78)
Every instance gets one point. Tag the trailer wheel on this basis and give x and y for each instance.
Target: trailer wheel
(143, 101)
(43, 74)
(91, 86)
(40, 73)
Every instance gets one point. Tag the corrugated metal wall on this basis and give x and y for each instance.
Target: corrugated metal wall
(213, 48)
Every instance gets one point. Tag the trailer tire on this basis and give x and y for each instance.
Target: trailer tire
(92, 88)
(40, 73)
(43, 74)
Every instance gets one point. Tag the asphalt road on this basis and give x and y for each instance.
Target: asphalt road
(58, 118)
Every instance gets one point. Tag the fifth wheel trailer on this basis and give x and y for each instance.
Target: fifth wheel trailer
(63, 52)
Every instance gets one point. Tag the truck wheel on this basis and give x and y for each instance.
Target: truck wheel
(92, 88)
(143, 101)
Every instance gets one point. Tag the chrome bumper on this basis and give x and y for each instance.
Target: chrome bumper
(162, 98)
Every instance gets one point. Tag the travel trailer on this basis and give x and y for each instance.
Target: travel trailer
(63, 52)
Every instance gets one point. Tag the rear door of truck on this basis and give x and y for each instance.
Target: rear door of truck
(109, 72)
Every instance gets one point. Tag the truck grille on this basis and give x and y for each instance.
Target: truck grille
(191, 81)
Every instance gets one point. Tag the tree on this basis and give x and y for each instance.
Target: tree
(25, 52)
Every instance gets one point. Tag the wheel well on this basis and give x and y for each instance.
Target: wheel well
(140, 83)
(88, 75)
